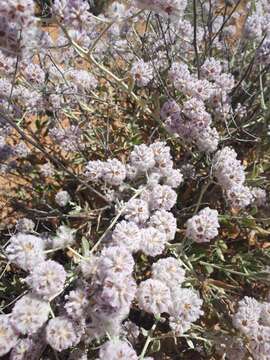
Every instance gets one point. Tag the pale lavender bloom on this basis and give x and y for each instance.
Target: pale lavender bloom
(25, 225)
(26, 251)
(264, 52)
(136, 210)
(29, 348)
(142, 73)
(253, 26)
(226, 82)
(185, 309)
(82, 79)
(131, 331)
(69, 138)
(207, 140)
(117, 350)
(29, 314)
(62, 198)
(173, 177)
(169, 271)
(227, 169)
(154, 296)
(47, 279)
(115, 260)
(117, 291)
(239, 196)
(211, 69)
(259, 196)
(204, 226)
(8, 335)
(77, 303)
(114, 172)
(47, 170)
(21, 150)
(128, 234)
(73, 13)
(163, 197)
(132, 172)
(165, 222)
(161, 152)
(64, 237)
(180, 76)
(94, 170)
(259, 344)
(199, 89)
(265, 314)
(142, 157)
(89, 266)
(7, 64)
(153, 241)
(62, 333)
(34, 74)
(22, 12)
(247, 316)
(169, 108)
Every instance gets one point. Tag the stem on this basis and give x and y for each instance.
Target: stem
(148, 340)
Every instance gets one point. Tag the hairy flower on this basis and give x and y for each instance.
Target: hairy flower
(247, 316)
(115, 260)
(165, 222)
(25, 250)
(185, 309)
(169, 271)
(8, 335)
(77, 303)
(154, 296)
(64, 237)
(142, 73)
(62, 333)
(62, 198)
(136, 210)
(114, 172)
(128, 234)
(142, 157)
(163, 197)
(117, 350)
(153, 241)
(47, 279)
(29, 314)
(204, 226)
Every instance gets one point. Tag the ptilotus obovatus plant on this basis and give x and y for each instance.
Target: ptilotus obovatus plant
(134, 143)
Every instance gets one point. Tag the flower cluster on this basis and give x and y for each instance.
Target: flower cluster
(230, 174)
(204, 226)
(253, 320)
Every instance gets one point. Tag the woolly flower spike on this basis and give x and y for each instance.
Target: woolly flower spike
(153, 241)
(154, 296)
(239, 196)
(227, 169)
(18, 11)
(29, 314)
(247, 317)
(142, 73)
(173, 177)
(185, 309)
(94, 170)
(165, 222)
(74, 13)
(211, 69)
(259, 196)
(62, 198)
(169, 271)
(161, 152)
(82, 79)
(89, 266)
(204, 226)
(47, 279)
(25, 225)
(128, 234)
(25, 250)
(34, 73)
(8, 335)
(117, 292)
(77, 303)
(114, 172)
(115, 260)
(142, 157)
(62, 333)
(117, 350)
(136, 210)
(64, 237)
(163, 197)
(169, 108)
